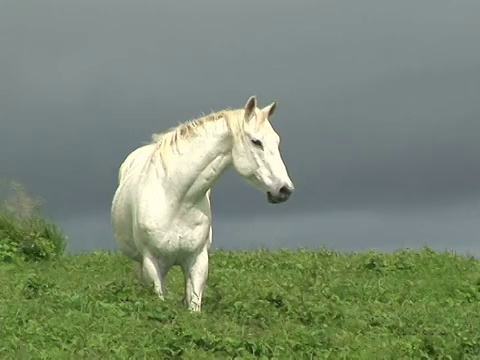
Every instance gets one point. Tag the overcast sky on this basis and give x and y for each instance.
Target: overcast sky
(378, 110)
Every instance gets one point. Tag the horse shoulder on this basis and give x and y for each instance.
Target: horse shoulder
(134, 161)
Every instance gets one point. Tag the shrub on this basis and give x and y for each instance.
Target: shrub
(24, 233)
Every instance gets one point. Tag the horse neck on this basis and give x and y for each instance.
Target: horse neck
(200, 161)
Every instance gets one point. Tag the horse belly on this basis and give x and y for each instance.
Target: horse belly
(121, 216)
(125, 219)
(122, 209)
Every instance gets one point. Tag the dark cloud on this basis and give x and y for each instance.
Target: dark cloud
(377, 103)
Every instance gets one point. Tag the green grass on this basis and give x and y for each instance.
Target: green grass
(284, 305)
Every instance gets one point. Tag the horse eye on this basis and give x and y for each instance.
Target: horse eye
(257, 142)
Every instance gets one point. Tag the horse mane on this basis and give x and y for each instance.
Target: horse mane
(189, 128)
(173, 137)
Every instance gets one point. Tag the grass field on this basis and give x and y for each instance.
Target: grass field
(284, 305)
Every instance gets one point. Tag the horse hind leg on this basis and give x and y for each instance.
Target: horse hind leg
(152, 272)
(139, 272)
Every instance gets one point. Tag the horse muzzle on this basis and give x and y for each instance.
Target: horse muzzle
(282, 195)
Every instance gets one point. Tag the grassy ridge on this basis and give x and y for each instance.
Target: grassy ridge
(304, 304)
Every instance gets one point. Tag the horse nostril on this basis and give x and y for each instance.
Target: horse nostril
(285, 190)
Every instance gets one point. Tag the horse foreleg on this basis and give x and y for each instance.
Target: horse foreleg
(196, 273)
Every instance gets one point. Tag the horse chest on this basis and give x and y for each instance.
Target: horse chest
(182, 236)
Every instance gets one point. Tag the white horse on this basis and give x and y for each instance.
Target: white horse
(161, 215)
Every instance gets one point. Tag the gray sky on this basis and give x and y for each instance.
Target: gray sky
(378, 110)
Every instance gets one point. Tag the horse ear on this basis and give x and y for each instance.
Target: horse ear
(270, 109)
(250, 107)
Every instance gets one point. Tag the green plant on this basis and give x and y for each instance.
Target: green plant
(24, 233)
